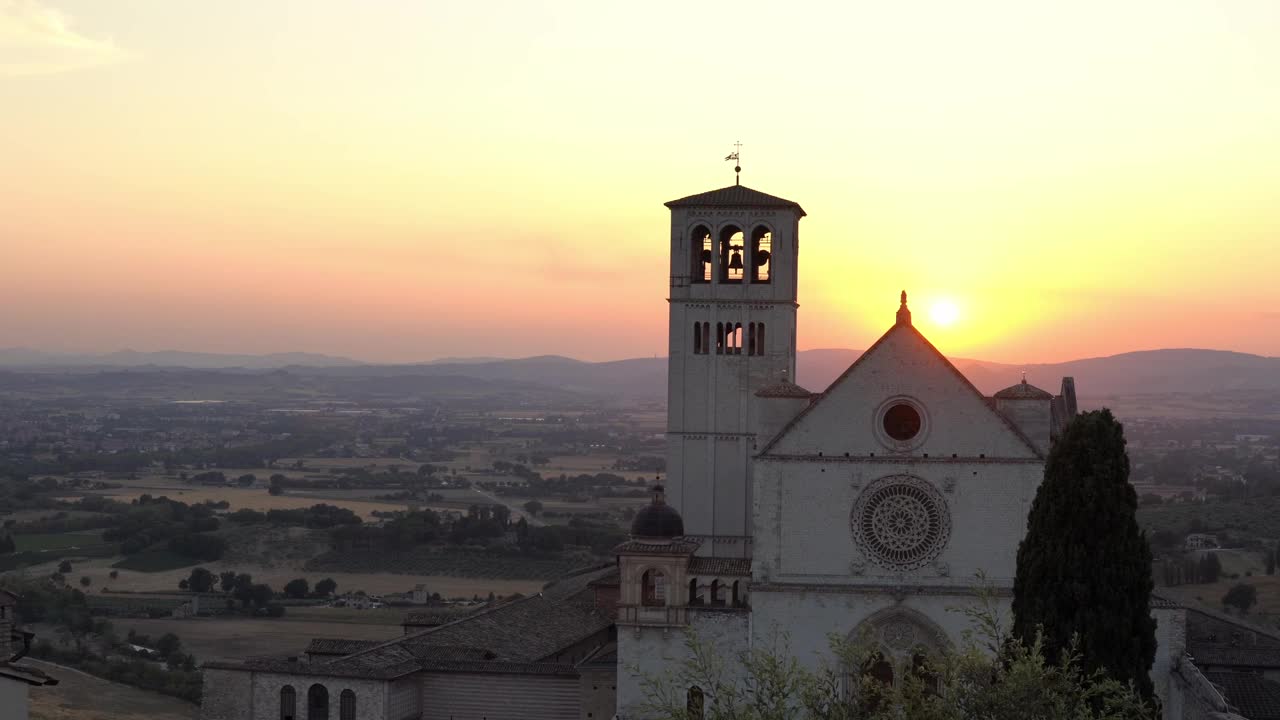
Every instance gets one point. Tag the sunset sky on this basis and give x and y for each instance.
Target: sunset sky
(399, 181)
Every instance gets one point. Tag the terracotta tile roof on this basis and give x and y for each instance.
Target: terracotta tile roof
(576, 586)
(783, 389)
(526, 630)
(736, 196)
(502, 668)
(604, 656)
(675, 547)
(1023, 391)
(737, 567)
(319, 669)
(26, 674)
(1252, 695)
(1209, 655)
(436, 616)
(338, 646)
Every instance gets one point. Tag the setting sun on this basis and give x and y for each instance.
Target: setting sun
(944, 313)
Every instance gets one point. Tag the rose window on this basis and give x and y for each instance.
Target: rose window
(900, 523)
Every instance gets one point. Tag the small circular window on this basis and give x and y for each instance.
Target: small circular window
(902, 422)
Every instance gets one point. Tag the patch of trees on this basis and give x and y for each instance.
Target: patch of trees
(1190, 570)
(154, 519)
(67, 610)
(991, 675)
(198, 547)
(1241, 597)
(321, 515)
(579, 487)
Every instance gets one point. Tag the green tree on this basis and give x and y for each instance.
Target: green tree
(64, 567)
(85, 581)
(168, 644)
(533, 507)
(201, 580)
(1241, 597)
(297, 588)
(1084, 568)
(227, 581)
(1002, 679)
(326, 587)
(1210, 568)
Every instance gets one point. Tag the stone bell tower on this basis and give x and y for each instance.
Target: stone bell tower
(733, 331)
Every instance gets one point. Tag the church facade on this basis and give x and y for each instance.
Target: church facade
(869, 510)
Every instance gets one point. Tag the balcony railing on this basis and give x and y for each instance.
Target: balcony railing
(656, 615)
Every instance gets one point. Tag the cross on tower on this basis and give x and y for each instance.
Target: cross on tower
(736, 157)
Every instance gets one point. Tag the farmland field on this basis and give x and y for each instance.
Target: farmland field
(252, 498)
(55, 541)
(98, 570)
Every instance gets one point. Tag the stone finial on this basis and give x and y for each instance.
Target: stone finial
(904, 313)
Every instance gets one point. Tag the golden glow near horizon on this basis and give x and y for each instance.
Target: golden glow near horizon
(945, 312)
(400, 181)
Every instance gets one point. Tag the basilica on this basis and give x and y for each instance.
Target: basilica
(868, 509)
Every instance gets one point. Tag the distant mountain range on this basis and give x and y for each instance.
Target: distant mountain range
(23, 357)
(1147, 372)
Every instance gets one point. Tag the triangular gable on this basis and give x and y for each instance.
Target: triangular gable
(902, 363)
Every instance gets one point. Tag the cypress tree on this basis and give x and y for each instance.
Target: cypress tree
(1084, 567)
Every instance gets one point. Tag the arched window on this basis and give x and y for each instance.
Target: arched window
(737, 599)
(653, 588)
(761, 254)
(347, 705)
(700, 243)
(760, 338)
(921, 668)
(719, 338)
(317, 703)
(288, 703)
(693, 703)
(715, 593)
(751, 338)
(697, 338)
(693, 592)
(737, 339)
(706, 338)
(732, 265)
(874, 683)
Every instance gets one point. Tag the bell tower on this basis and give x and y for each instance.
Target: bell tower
(732, 332)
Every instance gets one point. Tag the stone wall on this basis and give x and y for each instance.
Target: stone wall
(599, 693)
(654, 652)
(253, 695)
(804, 505)
(228, 695)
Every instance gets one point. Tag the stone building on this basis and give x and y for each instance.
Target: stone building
(865, 510)
(16, 679)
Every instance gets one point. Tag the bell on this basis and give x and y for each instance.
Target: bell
(762, 257)
(735, 260)
(706, 257)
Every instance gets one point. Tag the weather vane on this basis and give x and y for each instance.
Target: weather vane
(735, 156)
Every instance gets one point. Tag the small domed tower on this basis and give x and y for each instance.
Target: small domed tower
(652, 567)
(1030, 409)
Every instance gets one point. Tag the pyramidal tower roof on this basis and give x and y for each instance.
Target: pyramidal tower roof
(736, 196)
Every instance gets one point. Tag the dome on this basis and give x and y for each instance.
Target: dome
(1023, 391)
(657, 519)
